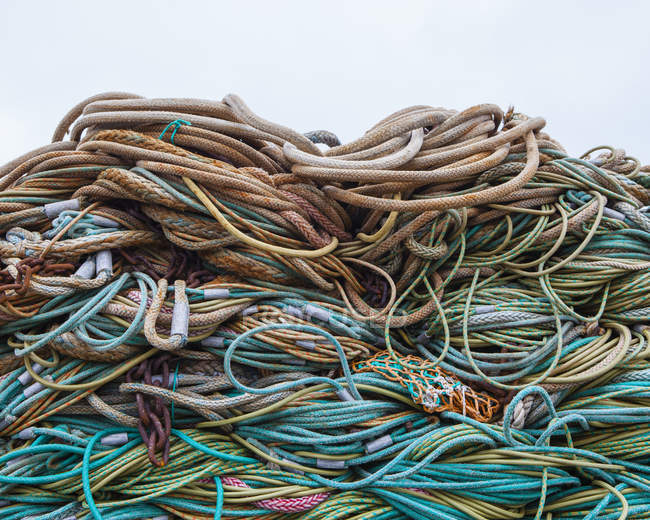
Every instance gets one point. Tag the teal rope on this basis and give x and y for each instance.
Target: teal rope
(176, 123)
(219, 507)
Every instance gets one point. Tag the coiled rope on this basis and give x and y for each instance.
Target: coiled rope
(205, 315)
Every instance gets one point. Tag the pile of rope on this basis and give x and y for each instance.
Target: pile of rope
(208, 315)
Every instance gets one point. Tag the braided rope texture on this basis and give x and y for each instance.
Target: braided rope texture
(205, 314)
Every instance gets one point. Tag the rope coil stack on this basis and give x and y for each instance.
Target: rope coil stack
(205, 314)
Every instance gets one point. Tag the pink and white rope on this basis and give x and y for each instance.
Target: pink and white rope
(286, 505)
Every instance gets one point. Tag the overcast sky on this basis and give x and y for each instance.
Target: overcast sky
(341, 66)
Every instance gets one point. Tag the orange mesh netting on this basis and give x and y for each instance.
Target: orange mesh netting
(430, 386)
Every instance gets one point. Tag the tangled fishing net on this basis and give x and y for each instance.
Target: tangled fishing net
(205, 315)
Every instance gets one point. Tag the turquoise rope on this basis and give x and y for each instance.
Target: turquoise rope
(176, 123)
(219, 507)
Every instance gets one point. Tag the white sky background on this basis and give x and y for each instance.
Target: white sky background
(335, 65)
